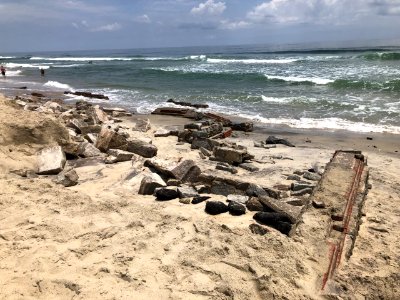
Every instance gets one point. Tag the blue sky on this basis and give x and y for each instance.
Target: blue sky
(34, 25)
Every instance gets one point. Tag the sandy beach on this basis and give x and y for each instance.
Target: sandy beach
(101, 239)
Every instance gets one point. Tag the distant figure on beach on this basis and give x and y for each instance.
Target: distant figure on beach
(42, 71)
(3, 71)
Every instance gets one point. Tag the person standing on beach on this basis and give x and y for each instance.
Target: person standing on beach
(3, 71)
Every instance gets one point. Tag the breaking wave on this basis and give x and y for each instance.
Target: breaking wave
(321, 81)
(252, 61)
(382, 56)
(136, 58)
(58, 85)
(17, 65)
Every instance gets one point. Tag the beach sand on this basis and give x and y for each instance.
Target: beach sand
(101, 240)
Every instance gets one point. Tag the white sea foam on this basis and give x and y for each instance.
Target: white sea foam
(6, 57)
(198, 57)
(80, 58)
(275, 99)
(87, 59)
(321, 81)
(36, 66)
(14, 73)
(252, 61)
(328, 123)
(67, 66)
(58, 85)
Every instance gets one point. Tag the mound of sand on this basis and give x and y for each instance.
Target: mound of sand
(23, 133)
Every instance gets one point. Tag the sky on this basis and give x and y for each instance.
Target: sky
(56, 25)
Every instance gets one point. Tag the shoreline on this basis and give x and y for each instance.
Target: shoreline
(385, 142)
(291, 124)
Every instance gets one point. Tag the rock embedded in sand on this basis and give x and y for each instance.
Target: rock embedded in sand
(236, 209)
(222, 188)
(67, 178)
(96, 115)
(318, 203)
(161, 132)
(292, 213)
(297, 186)
(216, 207)
(142, 125)
(205, 143)
(249, 167)
(254, 204)
(229, 155)
(51, 161)
(294, 177)
(274, 140)
(87, 149)
(198, 199)
(274, 219)
(166, 193)
(237, 198)
(258, 229)
(185, 200)
(149, 183)
(77, 125)
(186, 191)
(226, 167)
(312, 176)
(120, 155)
(141, 148)
(301, 192)
(184, 171)
(104, 139)
(245, 126)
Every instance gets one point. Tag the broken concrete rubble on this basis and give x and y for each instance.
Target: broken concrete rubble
(178, 170)
(50, 161)
(274, 140)
(87, 149)
(236, 209)
(149, 183)
(274, 219)
(141, 148)
(166, 193)
(120, 155)
(67, 178)
(142, 125)
(216, 207)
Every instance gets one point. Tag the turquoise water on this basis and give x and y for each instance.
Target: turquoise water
(356, 89)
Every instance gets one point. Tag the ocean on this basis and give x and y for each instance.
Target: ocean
(355, 89)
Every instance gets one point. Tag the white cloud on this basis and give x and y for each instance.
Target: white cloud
(109, 27)
(209, 8)
(225, 24)
(81, 24)
(309, 11)
(143, 19)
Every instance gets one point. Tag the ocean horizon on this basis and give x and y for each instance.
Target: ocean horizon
(353, 88)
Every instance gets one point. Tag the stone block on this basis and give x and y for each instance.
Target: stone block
(229, 155)
(120, 155)
(149, 183)
(141, 148)
(50, 160)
